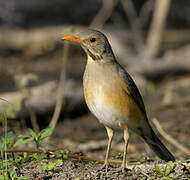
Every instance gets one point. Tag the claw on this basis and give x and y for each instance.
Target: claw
(105, 166)
(122, 169)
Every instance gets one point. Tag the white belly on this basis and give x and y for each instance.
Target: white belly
(107, 115)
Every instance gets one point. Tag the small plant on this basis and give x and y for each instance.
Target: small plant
(166, 171)
(7, 140)
(34, 137)
(144, 159)
(48, 166)
(77, 178)
(4, 164)
(12, 174)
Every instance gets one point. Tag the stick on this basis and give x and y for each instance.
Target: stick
(60, 90)
(134, 22)
(169, 138)
(53, 152)
(157, 28)
(104, 13)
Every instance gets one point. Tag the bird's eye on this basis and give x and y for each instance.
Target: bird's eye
(92, 40)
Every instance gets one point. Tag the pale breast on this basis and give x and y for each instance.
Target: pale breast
(106, 114)
(107, 100)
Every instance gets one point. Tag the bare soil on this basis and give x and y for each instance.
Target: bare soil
(71, 169)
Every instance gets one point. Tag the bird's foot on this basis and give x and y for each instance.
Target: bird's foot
(122, 169)
(105, 167)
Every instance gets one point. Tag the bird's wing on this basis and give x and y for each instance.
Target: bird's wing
(130, 87)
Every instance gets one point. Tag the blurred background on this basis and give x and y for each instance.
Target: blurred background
(41, 76)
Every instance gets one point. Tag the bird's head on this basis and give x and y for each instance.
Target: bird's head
(94, 43)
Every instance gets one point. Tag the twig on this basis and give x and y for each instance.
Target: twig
(31, 151)
(143, 173)
(134, 22)
(80, 158)
(104, 13)
(157, 28)
(5, 100)
(169, 138)
(60, 90)
(145, 12)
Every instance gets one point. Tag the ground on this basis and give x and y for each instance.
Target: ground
(85, 136)
(71, 169)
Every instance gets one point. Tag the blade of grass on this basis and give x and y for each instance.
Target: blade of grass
(3, 119)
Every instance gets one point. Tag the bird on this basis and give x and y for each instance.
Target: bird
(112, 95)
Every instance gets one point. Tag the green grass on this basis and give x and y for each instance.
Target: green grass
(166, 172)
(9, 140)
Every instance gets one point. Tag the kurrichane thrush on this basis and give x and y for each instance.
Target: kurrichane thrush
(112, 96)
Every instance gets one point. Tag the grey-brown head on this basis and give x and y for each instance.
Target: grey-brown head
(94, 43)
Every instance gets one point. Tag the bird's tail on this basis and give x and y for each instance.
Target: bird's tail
(156, 145)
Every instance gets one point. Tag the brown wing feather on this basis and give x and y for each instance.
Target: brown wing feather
(132, 89)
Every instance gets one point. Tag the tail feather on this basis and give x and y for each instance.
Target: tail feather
(156, 145)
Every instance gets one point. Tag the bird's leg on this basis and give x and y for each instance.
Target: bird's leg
(110, 136)
(126, 139)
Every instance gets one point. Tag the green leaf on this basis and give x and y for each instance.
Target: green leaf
(143, 159)
(166, 171)
(48, 167)
(45, 133)
(4, 177)
(171, 165)
(10, 135)
(25, 157)
(32, 133)
(59, 161)
(10, 139)
(59, 153)
(157, 169)
(52, 155)
(24, 177)
(35, 156)
(13, 174)
(22, 140)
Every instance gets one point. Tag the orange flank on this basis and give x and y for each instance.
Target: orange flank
(124, 104)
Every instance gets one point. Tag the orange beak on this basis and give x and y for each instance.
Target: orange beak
(73, 39)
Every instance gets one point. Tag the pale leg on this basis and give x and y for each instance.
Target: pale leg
(126, 139)
(110, 136)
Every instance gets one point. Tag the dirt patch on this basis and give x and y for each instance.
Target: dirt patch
(72, 169)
